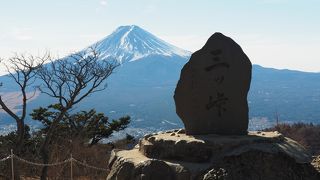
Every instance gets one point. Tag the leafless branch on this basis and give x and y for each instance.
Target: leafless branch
(22, 70)
(75, 77)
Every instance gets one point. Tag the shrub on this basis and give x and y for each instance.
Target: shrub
(307, 135)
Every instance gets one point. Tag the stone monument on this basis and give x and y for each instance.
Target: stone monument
(211, 95)
(211, 100)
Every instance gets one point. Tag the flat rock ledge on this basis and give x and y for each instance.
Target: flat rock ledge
(173, 155)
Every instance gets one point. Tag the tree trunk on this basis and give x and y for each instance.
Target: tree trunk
(20, 134)
(19, 145)
(44, 150)
(45, 159)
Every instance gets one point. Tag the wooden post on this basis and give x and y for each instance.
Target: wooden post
(12, 168)
(71, 170)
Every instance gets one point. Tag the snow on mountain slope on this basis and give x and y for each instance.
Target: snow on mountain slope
(130, 43)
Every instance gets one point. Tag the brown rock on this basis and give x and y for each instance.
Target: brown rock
(154, 170)
(211, 95)
(215, 174)
(206, 148)
(121, 169)
(255, 156)
(132, 165)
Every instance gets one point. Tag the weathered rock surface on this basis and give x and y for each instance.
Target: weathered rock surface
(211, 95)
(204, 148)
(316, 162)
(177, 156)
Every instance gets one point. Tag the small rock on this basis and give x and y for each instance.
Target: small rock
(151, 139)
(147, 136)
(181, 131)
(215, 174)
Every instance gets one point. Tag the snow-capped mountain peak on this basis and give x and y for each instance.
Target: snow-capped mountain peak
(130, 43)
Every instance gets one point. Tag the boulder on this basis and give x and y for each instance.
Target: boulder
(178, 156)
(211, 94)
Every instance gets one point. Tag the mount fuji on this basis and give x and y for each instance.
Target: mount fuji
(143, 85)
(145, 59)
(131, 43)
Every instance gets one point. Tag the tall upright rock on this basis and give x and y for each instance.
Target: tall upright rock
(211, 99)
(211, 95)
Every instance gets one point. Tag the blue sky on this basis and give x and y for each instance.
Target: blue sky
(273, 33)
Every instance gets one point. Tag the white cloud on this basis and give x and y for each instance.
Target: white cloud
(103, 3)
(23, 38)
(149, 9)
(3, 36)
(21, 34)
(101, 7)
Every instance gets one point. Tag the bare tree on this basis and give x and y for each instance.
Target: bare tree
(21, 69)
(69, 81)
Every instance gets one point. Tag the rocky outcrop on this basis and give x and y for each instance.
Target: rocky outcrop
(173, 155)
